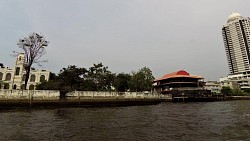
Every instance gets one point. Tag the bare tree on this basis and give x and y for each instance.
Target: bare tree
(34, 48)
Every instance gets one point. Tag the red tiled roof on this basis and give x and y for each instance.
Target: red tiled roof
(180, 73)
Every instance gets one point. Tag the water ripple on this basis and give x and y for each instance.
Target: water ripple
(167, 121)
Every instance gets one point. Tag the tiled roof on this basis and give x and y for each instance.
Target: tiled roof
(180, 73)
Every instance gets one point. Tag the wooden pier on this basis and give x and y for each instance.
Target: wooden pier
(196, 96)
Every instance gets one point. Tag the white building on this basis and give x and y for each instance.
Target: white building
(213, 86)
(14, 78)
(236, 36)
(240, 80)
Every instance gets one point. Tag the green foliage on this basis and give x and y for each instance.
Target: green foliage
(52, 84)
(49, 85)
(247, 91)
(98, 78)
(141, 80)
(226, 90)
(71, 78)
(121, 82)
(235, 92)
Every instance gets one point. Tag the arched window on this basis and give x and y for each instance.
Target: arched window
(31, 87)
(6, 86)
(23, 88)
(17, 71)
(42, 78)
(1, 76)
(14, 87)
(24, 76)
(33, 78)
(8, 77)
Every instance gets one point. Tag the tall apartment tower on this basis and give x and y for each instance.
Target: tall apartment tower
(236, 36)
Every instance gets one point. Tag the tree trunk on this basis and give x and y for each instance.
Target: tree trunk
(26, 78)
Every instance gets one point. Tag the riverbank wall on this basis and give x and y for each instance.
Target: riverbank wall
(228, 98)
(48, 98)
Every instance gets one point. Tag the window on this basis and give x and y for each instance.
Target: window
(24, 76)
(42, 78)
(14, 87)
(17, 70)
(8, 77)
(23, 87)
(6, 86)
(31, 87)
(33, 78)
(1, 76)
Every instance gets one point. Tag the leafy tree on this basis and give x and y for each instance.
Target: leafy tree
(52, 84)
(121, 82)
(34, 48)
(99, 77)
(48, 85)
(141, 80)
(226, 90)
(71, 77)
(238, 92)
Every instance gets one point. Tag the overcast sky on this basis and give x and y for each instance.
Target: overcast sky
(125, 35)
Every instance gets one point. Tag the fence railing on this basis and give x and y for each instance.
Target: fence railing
(112, 94)
(51, 94)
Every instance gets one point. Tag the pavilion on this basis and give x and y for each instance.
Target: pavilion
(180, 81)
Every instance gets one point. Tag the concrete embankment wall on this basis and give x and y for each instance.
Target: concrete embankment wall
(29, 94)
(237, 98)
(55, 95)
(38, 98)
(96, 94)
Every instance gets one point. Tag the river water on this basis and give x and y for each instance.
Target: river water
(208, 121)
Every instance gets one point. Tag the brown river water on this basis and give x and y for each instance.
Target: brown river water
(205, 121)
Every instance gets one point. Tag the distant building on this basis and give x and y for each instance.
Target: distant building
(236, 37)
(213, 86)
(240, 80)
(178, 81)
(14, 78)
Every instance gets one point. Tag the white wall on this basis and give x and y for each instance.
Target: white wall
(111, 94)
(26, 94)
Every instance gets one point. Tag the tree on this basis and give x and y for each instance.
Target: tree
(247, 90)
(99, 77)
(52, 84)
(226, 90)
(72, 77)
(141, 80)
(34, 48)
(237, 91)
(121, 82)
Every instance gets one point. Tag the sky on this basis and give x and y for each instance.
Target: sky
(125, 35)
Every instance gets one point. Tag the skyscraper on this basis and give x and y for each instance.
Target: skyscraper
(236, 36)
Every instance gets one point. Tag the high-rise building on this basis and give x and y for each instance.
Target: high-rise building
(236, 36)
